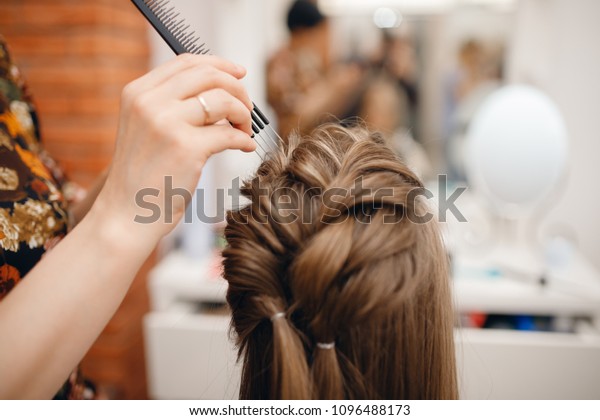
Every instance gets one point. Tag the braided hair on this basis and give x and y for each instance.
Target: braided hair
(338, 280)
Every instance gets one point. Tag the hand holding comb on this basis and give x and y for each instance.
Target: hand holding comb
(177, 34)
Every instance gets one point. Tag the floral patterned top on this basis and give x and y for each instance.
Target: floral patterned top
(33, 206)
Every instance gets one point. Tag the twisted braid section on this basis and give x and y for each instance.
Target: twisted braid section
(333, 237)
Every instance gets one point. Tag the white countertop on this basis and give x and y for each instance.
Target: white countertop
(477, 287)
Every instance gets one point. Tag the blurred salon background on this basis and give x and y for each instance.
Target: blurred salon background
(499, 96)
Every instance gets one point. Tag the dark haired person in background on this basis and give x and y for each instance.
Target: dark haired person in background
(303, 86)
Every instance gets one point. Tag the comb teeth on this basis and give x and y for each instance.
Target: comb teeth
(177, 26)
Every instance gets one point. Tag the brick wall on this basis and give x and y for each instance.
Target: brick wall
(77, 55)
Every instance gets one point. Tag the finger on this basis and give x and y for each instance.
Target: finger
(196, 80)
(183, 62)
(216, 105)
(213, 139)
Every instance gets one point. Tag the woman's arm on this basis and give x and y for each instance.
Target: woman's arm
(48, 322)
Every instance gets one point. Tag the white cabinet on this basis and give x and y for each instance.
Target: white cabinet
(190, 355)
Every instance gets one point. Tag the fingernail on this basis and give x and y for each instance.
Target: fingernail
(241, 68)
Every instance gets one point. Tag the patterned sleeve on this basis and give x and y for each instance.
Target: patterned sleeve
(34, 195)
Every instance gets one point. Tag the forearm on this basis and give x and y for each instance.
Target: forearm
(63, 304)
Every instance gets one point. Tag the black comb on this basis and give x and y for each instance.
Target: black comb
(177, 34)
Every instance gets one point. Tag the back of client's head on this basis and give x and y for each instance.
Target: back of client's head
(338, 282)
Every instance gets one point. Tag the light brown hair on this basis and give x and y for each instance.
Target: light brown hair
(357, 268)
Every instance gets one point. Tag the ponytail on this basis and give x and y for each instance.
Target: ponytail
(326, 373)
(290, 378)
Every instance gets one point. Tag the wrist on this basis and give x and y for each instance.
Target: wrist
(117, 231)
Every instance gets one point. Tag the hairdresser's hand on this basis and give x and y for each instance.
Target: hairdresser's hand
(166, 136)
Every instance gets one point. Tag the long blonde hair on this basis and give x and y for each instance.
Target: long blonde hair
(344, 294)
